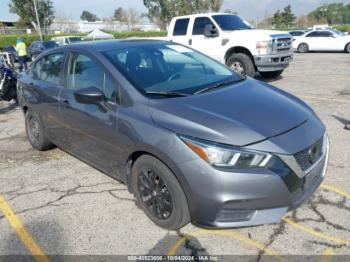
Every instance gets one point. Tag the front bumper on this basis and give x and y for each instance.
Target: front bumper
(230, 198)
(275, 62)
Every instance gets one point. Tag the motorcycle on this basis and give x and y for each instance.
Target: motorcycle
(8, 83)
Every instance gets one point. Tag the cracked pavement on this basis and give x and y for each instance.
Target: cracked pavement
(71, 208)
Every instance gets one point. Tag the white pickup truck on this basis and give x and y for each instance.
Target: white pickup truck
(231, 40)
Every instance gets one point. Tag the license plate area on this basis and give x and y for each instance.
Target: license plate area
(313, 176)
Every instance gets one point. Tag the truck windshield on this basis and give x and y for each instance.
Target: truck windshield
(159, 69)
(231, 22)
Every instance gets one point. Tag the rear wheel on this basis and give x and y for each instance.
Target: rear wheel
(159, 193)
(241, 64)
(347, 48)
(35, 132)
(303, 48)
(272, 74)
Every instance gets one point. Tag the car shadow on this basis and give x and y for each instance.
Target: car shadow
(341, 120)
(190, 246)
(267, 80)
(9, 108)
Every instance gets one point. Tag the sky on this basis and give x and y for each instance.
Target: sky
(249, 9)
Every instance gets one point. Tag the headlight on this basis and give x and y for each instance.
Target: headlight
(226, 156)
(264, 47)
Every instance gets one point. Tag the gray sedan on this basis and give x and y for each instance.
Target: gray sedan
(194, 141)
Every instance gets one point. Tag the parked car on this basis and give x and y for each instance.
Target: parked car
(67, 40)
(323, 40)
(12, 51)
(192, 139)
(233, 41)
(37, 47)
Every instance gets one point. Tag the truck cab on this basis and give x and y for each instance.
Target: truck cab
(233, 41)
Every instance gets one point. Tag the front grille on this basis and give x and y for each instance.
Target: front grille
(283, 44)
(309, 156)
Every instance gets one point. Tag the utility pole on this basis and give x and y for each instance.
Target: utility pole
(38, 21)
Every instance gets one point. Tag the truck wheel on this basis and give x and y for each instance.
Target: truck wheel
(303, 48)
(159, 193)
(347, 48)
(272, 74)
(35, 132)
(241, 64)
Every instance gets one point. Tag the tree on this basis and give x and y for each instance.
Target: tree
(87, 16)
(26, 12)
(119, 15)
(284, 19)
(336, 13)
(162, 11)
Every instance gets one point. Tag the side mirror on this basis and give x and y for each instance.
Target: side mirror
(89, 95)
(211, 31)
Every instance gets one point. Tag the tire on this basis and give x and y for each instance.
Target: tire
(240, 61)
(347, 48)
(154, 187)
(303, 48)
(35, 132)
(272, 74)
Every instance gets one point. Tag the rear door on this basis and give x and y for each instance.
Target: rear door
(44, 88)
(91, 129)
(313, 40)
(181, 33)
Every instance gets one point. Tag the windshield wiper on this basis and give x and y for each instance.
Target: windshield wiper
(166, 94)
(222, 84)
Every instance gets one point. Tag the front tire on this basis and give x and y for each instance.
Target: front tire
(272, 74)
(303, 48)
(35, 132)
(159, 193)
(347, 48)
(241, 64)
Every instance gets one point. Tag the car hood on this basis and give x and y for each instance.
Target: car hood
(259, 33)
(241, 114)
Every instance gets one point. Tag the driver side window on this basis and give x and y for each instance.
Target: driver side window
(84, 72)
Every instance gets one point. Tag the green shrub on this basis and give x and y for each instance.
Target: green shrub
(28, 39)
(344, 28)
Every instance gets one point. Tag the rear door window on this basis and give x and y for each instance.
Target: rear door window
(181, 26)
(49, 68)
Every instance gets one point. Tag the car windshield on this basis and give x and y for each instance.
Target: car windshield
(339, 33)
(231, 22)
(50, 44)
(169, 68)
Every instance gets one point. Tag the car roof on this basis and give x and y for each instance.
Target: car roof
(104, 45)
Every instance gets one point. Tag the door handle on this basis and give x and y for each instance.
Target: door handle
(189, 41)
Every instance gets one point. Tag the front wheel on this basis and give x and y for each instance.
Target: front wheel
(303, 48)
(241, 64)
(159, 193)
(347, 48)
(272, 74)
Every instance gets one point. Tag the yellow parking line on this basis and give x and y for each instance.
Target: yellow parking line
(315, 233)
(335, 189)
(230, 234)
(23, 234)
(327, 255)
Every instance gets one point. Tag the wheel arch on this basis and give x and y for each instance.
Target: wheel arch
(156, 153)
(236, 50)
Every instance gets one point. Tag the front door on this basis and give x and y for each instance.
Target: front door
(202, 43)
(91, 129)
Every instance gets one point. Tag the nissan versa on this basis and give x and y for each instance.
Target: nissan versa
(192, 140)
